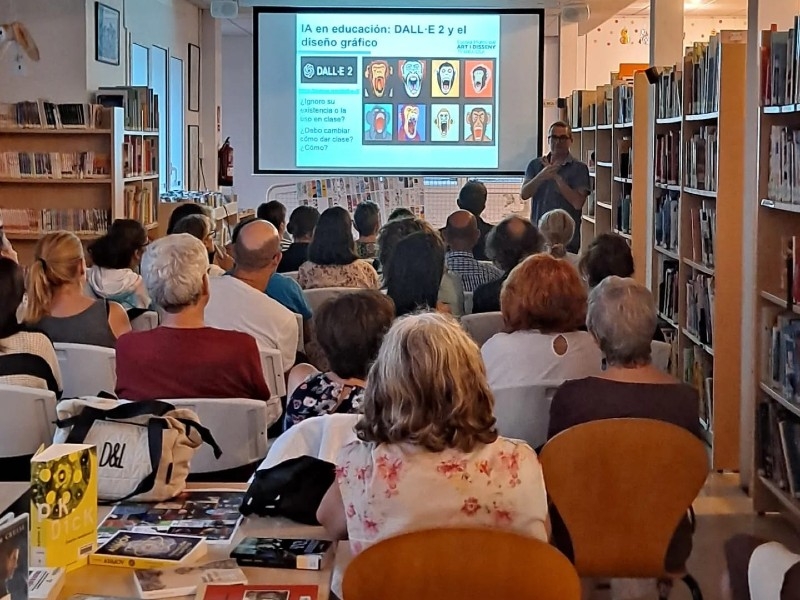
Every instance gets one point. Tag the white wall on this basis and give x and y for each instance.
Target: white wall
(605, 49)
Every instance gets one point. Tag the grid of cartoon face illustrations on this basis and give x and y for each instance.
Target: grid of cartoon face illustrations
(428, 101)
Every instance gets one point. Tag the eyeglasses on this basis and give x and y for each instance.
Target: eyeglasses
(560, 138)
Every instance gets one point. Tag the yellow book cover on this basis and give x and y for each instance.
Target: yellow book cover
(63, 506)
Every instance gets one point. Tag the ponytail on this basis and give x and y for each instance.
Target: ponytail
(558, 250)
(40, 294)
(57, 261)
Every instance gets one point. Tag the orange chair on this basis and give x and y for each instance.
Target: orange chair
(454, 564)
(621, 487)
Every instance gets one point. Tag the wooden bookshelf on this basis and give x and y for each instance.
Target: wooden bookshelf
(639, 184)
(710, 362)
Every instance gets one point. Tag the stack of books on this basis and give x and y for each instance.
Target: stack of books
(140, 202)
(48, 115)
(780, 66)
(55, 165)
(667, 157)
(82, 221)
(139, 156)
(701, 64)
(700, 165)
(139, 103)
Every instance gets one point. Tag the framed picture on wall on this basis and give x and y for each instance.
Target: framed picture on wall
(194, 157)
(194, 78)
(106, 34)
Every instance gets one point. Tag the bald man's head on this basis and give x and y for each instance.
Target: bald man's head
(257, 246)
(461, 232)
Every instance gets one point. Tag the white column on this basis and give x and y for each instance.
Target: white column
(761, 15)
(210, 96)
(567, 58)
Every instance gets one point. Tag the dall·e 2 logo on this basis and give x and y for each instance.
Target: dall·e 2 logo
(309, 70)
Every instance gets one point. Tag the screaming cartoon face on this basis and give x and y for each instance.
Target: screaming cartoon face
(446, 76)
(377, 73)
(444, 121)
(478, 121)
(412, 72)
(480, 78)
(410, 119)
(379, 120)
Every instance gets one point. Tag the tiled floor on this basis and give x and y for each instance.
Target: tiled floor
(722, 510)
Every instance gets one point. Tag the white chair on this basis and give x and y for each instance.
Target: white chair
(293, 274)
(238, 425)
(317, 297)
(86, 370)
(523, 413)
(32, 423)
(301, 343)
(272, 364)
(661, 353)
(146, 321)
(482, 326)
(468, 303)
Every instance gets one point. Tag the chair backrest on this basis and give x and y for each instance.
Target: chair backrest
(239, 426)
(301, 343)
(453, 564)
(28, 420)
(482, 326)
(272, 364)
(468, 299)
(86, 370)
(523, 413)
(660, 353)
(146, 321)
(317, 297)
(321, 437)
(293, 274)
(622, 486)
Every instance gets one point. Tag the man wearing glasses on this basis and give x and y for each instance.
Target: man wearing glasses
(558, 180)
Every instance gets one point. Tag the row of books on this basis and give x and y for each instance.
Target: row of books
(139, 156)
(700, 167)
(703, 233)
(701, 65)
(140, 202)
(672, 337)
(668, 290)
(625, 103)
(55, 165)
(666, 220)
(625, 156)
(42, 114)
(669, 94)
(577, 112)
(667, 157)
(783, 184)
(778, 447)
(698, 371)
(623, 221)
(77, 220)
(700, 307)
(780, 66)
(139, 103)
(784, 356)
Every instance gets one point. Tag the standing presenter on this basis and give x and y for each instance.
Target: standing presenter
(558, 180)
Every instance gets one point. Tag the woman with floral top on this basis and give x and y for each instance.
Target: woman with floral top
(349, 330)
(428, 454)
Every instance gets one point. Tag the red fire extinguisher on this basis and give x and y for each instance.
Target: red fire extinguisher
(225, 170)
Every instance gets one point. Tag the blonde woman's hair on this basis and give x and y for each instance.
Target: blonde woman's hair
(58, 260)
(428, 387)
(558, 228)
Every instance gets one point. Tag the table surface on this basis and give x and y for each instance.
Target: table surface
(117, 581)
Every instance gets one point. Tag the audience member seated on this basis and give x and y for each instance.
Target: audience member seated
(301, 227)
(511, 240)
(367, 219)
(201, 227)
(115, 260)
(557, 227)
(461, 235)
(27, 357)
(472, 198)
(218, 256)
(238, 301)
(543, 304)
(182, 358)
(621, 317)
(332, 259)
(428, 454)
(451, 291)
(274, 212)
(414, 276)
(400, 213)
(57, 301)
(349, 330)
(759, 569)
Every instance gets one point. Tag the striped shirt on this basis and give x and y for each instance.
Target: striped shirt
(27, 358)
(474, 273)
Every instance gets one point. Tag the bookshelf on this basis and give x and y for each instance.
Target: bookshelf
(222, 209)
(776, 402)
(639, 183)
(697, 250)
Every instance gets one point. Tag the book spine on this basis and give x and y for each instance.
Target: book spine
(127, 562)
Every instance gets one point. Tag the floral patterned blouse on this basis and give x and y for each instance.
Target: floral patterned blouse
(318, 396)
(358, 274)
(367, 249)
(390, 489)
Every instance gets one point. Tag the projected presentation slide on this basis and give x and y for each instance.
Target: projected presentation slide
(385, 91)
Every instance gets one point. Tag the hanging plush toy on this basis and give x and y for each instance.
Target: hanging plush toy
(15, 35)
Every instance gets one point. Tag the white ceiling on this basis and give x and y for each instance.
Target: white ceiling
(710, 8)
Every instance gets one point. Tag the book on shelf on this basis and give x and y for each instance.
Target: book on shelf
(45, 584)
(55, 165)
(701, 63)
(139, 156)
(625, 103)
(778, 447)
(82, 221)
(700, 307)
(669, 93)
(703, 233)
(783, 182)
(144, 550)
(666, 219)
(667, 157)
(274, 591)
(780, 66)
(63, 530)
(625, 156)
(43, 114)
(152, 584)
(672, 337)
(668, 289)
(698, 371)
(140, 201)
(624, 212)
(702, 150)
(139, 103)
(279, 553)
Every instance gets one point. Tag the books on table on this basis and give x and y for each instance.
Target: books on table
(184, 581)
(63, 531)
(14, 555)
(131, 549)
(44, 583)
(282, 553)
(260, 592)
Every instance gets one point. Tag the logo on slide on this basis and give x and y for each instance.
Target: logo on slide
(308, 70)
